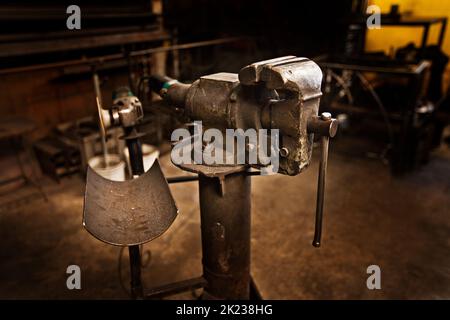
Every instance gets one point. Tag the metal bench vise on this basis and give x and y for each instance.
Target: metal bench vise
(280, 94)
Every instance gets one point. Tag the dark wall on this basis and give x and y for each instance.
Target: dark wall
(275, 28)
(31, 22)
(27, 16)
(310, 26)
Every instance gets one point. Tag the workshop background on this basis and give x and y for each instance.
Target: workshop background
(387, 200)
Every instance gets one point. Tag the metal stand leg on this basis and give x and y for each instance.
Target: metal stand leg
(135, 270)
(225, 225)
(137, 168)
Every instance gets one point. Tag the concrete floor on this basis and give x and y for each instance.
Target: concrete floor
(402, 225)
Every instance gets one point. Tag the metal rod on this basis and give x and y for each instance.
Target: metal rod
(118, 56)
(137, 168)
(174, 288)
(321, 190)
(98, 95)
(442, 32)
(185, 46)
(135, 271)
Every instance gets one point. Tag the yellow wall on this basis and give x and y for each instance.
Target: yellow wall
(387, 38)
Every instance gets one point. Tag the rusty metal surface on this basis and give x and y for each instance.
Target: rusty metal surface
(65, 44)
(298, 81)
(225, 225)
(128, 212)
(213, 171)
(290, 73)
(282, 93)
(327, 127)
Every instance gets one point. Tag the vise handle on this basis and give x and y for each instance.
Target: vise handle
(326, 127)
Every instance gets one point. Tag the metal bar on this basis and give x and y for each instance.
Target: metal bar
(361, 110)
(118, 56)
(186, 46)
(442, 33)
(58, 34)
(413, 70)
(253, 173)
(174, 288)
(182, 179)
(425, 38)
(47, 12)
(225, 227)
(137, 168)
(135, 271)
(135, 151)
(97, 89)
(321, 190)
(98, 95)
(95, 41)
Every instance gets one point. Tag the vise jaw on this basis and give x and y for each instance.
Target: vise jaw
(296, 84)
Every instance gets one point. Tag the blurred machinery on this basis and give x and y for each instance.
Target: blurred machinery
(392, 100)
(69, 147)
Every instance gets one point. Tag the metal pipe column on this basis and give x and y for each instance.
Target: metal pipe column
(225, 225)
(137, 168)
